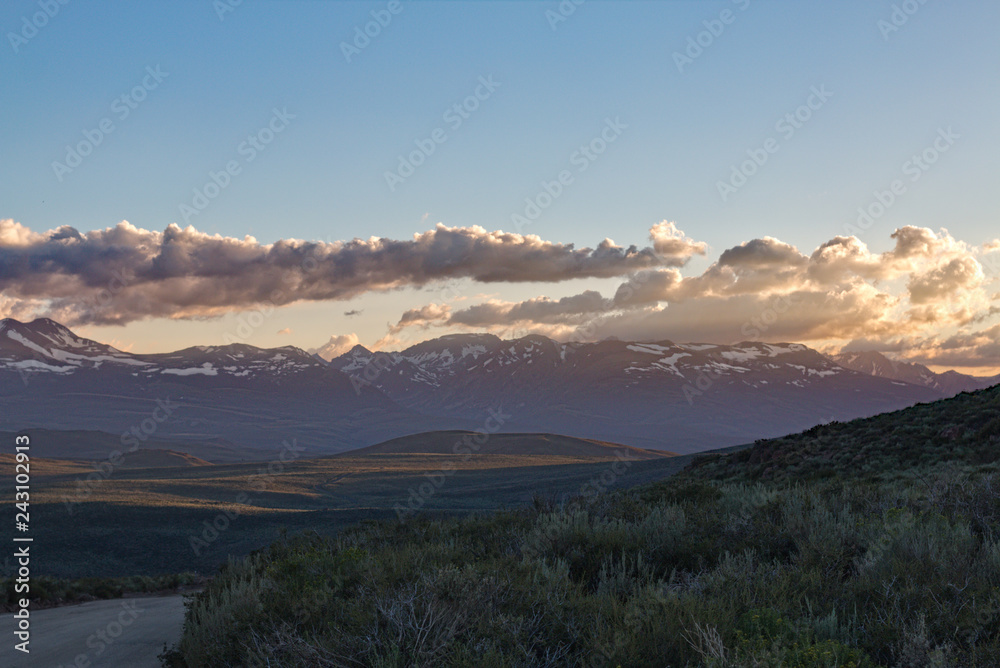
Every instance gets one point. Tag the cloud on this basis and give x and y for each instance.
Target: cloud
(765, 289)
(930, 294)
(764, 253)
(124, 273)
(540, 310)
(422, 317)
(673, 245)
(286, 330)
(336, 346)
(973, 348)
(353, 312)
(943, 281)
(649, 287)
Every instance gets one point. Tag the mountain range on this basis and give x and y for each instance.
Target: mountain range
(948, 383)
(258, 399)
(683, 397)
(679, 397)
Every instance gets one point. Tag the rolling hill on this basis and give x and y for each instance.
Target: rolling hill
(452, 442)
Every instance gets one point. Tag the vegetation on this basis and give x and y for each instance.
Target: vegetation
(165, 512)
(48, 591)
(792, 553)
(963, 429)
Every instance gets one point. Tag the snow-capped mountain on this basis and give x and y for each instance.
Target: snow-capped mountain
(676, 396)
(877, 364)
(44, 346)
(52, 378)
(680, 397)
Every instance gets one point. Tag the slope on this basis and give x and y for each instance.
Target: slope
(452, 442)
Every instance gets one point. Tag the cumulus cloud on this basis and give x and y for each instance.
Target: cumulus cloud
(945, 280)
(540, 310)
(762, 253)
(972, 348)
(673, 245)
(283, 332)
(841, 294)
(931, 297)
(336, 346)
(124, 273)
(422, 317)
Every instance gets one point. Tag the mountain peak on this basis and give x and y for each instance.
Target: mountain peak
(875, 363)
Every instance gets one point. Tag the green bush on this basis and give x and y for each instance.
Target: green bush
(869, 543)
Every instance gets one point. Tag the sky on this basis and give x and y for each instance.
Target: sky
(188, 173)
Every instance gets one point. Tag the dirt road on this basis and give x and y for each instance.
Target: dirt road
(122, 632)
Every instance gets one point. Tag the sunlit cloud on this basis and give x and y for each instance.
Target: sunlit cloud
(840, 295)
(124, 273)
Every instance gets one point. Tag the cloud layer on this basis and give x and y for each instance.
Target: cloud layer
(929, 297)
(124, 273)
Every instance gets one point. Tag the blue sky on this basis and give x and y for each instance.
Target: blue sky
(323, 176)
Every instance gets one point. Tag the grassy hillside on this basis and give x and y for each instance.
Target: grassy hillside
(829, 564)
(964, 429)
(445, 442)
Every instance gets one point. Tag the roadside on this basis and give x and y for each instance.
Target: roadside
(121, 632)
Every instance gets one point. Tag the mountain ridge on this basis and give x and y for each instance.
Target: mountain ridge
(688, 395)
(949, 383)
(679, 397)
